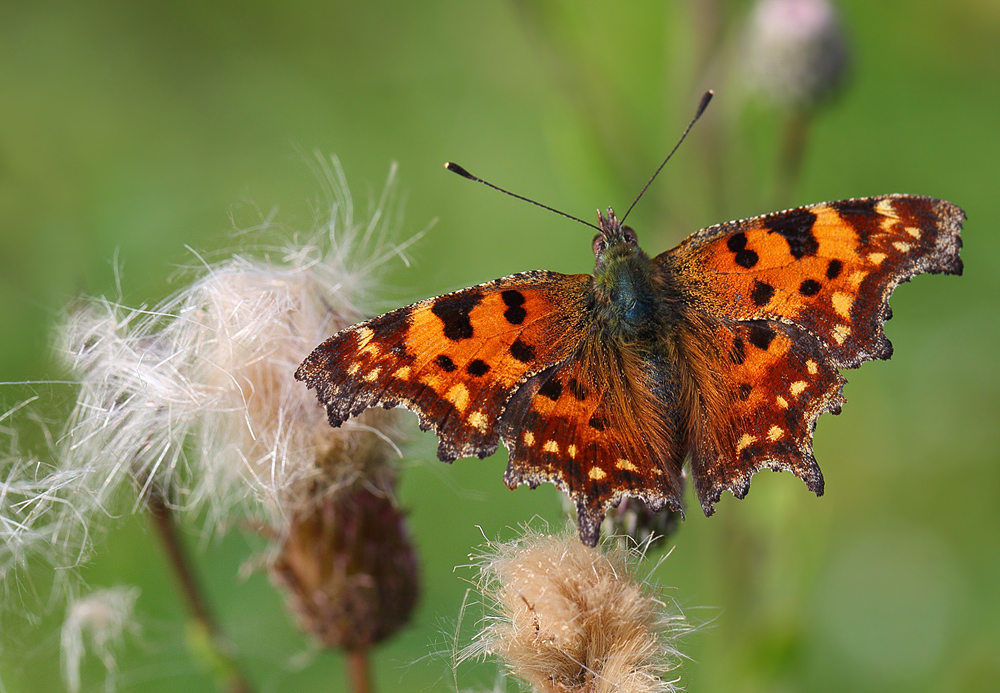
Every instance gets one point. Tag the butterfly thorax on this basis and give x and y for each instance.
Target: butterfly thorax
(624, 297)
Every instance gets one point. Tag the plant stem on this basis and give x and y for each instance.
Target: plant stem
(359, 671)
(791, 156)
(208, 639)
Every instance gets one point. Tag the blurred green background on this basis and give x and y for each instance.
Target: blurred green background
(135, 128)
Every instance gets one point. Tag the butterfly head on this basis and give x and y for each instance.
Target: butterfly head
(624, 295)
(613, 240)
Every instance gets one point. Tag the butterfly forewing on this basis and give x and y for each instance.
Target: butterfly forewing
(455, 359)
(829, 268)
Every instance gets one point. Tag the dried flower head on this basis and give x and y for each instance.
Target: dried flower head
(98, 622)
(571, 618)
(193, 403)
(796, 52)
(195, 395)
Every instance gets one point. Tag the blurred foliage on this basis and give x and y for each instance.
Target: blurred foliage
(131, 129)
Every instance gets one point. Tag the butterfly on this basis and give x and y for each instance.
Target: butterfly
(723, 351)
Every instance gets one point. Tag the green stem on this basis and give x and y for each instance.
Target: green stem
(791, 156)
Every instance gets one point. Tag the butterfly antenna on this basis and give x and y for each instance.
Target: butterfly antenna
(701, 109)
(455, 168)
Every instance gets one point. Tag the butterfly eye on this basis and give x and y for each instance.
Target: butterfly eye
(629, 235)
(599, 244)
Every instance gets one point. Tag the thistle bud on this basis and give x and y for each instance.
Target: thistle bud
(349, 569)
(634, 519)
(796, 53)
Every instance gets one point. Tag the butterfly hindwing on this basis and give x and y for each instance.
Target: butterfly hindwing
(780, 380)
(594, 427)
(454, 359)
(828, 268)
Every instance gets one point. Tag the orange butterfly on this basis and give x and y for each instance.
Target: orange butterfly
(724, 349)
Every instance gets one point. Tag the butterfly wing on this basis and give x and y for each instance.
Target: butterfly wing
(456, 359)
(828, 268)
(794, 296)
(595, 427)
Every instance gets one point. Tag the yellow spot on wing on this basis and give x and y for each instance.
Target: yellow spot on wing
(626, 465)
(551, 446)
(876, 258)
(402, 373)
(571, 451)
(901, 246)
(478, 421)
(745, 441)
(812, 367)
(353, 368)
(528, 438)
(797, 387)
(913, 231)
(782, 402)
(596, 473)
(774, 433)
(856, 278)
(372, 375)
(458, 394)
(842, 303)
(365, 345)
(840, 333)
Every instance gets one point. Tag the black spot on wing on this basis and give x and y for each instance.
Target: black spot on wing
(760, 335)
(796, 227)
(453, 312)
(477, 367)
(447, 365)
(522, 351)
(514, 300)
(551, 389)
(744, 391)
(737, 244)
(762, 293)
(834, 269)
(596, 423)
(810, 287)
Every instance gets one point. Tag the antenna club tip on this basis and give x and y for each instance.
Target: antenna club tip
(706, 97)
(455, 168)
